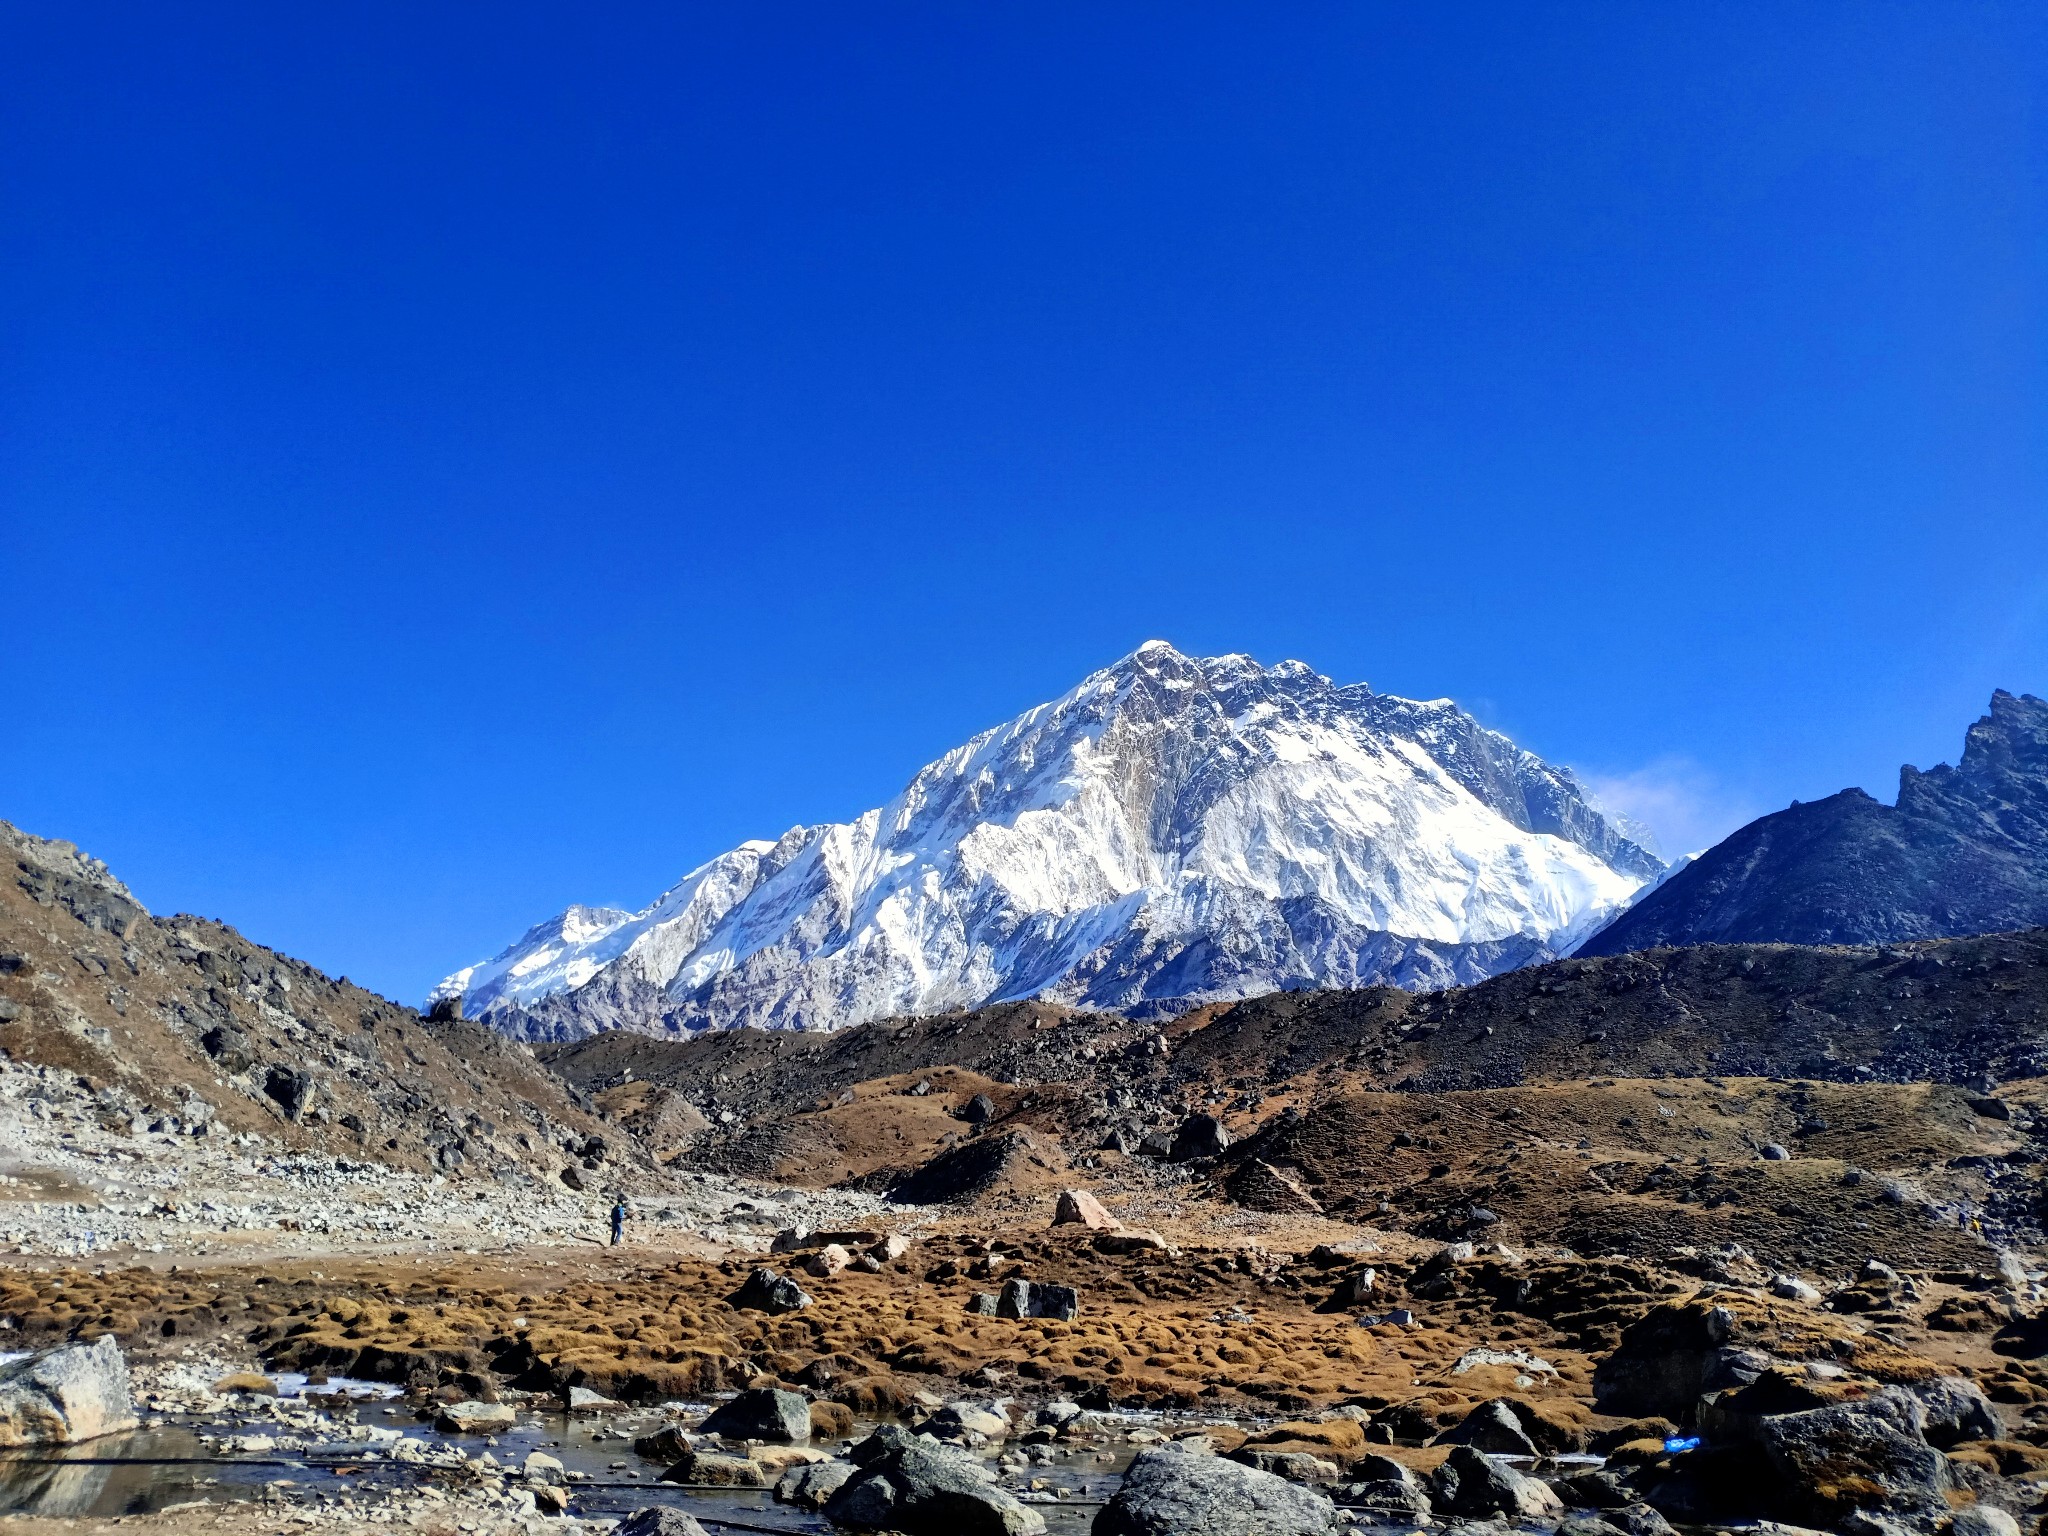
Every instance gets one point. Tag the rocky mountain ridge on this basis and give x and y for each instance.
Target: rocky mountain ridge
(1964, 850)
(1174, 830)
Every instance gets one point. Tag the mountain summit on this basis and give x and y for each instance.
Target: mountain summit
(1174, 830)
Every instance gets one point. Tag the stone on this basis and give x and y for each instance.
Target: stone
(1199, 1136)
(1953, 1409)
(766, 1290)
(1492, 1427)
(1982, 1520)
(664, 1445)
(1295, 1466)
(247, 1381)
(890, 1248)
(550, 1498)
(715, 1469)
(908, 1484)
(658, 1520)
(1871, 1454)
(762, 1413)
(539, 1467)
(289, 1088)
(1388, 1500)
(812, 1486)
(1474, 1486)
(70, 1393)
(474, 1418)
(1172, 1491)
(956, 1421)
(978, 1110)
(1022, 1298)
(583, 1400)
(1792, 1288)
(828, 1261)
(1354, 1290)
(790, 1240)
(983, 1304)
(1077, 1207)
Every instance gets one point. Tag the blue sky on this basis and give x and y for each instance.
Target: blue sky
(459, 460)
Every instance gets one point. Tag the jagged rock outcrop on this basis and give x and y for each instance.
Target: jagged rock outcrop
(1965, 850)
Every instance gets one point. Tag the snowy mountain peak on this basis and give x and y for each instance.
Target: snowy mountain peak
(1173, 829)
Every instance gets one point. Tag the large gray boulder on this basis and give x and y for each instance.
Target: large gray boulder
(1170, 1491)
(762, 1413)
(1870, 1455)
(1492, 1426)
(73, 1392)
(1471, 1484)
(910, 1484)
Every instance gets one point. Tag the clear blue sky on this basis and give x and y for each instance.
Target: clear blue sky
(459, 460)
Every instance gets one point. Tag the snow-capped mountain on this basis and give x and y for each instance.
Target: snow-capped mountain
(1173, 830)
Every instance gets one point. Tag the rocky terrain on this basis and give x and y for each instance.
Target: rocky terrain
(1690, 1236)
(1965, 850)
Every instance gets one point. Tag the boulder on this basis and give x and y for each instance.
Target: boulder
(1172, 1491)
(1983, 1520)
(1295, 1466)
(1869, 1455)
(658, 1520)
(714, 1469)
(812, 1486)
(1492, 1427)
(664, 1445)
(978, 1110)
(767, 1291)
(762, 1413)
(1953, 1410)
(1198, 1136)
(1354, 1290)
(1022, 1299)
(73, 1392)
(909, 1484)
(1388, 1500)
(539, 1467)
(828, 1261)
(957, 1421)
(1792, 1288)
(1078, 1207)
(583, 1400)
(890, 1248)
(1471, 1484)
(831, 1421)
(474, 1418)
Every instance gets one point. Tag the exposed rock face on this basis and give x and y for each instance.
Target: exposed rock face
(1965, 850)
(763, 1413)
(1870, 1455)
(1175, 829)
(909, 1484)
(1169, 1491)
(75, 1392)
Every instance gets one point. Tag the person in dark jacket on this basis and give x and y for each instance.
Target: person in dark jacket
(618, 1221)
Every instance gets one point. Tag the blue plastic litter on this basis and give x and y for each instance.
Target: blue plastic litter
(1682, 1443)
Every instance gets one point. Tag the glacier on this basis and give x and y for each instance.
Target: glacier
(1175, 830)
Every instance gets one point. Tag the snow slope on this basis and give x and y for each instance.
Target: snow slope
(1175, 829)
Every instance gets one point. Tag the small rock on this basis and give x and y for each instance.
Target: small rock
(714, 1469)
(1774, 1152)
(1792, 1288)
(828, 1261)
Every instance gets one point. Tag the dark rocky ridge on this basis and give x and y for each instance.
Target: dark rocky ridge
(1965, 850)
(207, 1028)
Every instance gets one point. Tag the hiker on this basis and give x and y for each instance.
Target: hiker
(618, 1221)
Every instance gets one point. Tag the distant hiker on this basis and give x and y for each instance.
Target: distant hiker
(618, 1221)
